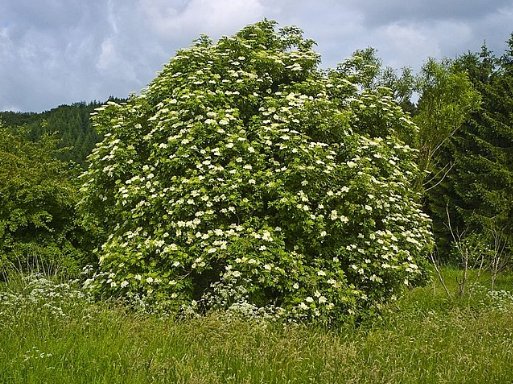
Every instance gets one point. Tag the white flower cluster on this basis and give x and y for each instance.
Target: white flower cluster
(39, 293)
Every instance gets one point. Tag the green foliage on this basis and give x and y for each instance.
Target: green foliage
(365, 69)
(37, 206)
(362, 68)
(447, 97)
(246, 178)
(70, 124)
(478, 192)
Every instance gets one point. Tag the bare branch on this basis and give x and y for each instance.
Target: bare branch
(439, 181)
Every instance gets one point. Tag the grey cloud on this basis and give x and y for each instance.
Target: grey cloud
(55, 51)
(379, 12)
(405, 33)
(47, 48)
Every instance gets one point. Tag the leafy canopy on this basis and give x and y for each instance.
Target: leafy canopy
(447, 99)
(37, 206)
(245, 178)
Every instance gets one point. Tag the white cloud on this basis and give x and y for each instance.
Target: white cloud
(170, 19)
(406, 43)
(410, 44)
(111, 16)
(107, 55)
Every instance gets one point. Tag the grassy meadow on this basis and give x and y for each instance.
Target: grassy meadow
(51, 333)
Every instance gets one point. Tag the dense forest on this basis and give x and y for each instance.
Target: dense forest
(70, 124)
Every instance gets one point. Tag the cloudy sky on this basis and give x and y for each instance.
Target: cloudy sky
(56, 52)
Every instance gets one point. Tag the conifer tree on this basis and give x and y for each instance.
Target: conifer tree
(478, 193)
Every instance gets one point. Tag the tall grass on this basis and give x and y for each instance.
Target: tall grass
(51, 333)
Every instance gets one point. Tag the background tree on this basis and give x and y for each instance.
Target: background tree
(478, 191)
(447, 97)
(37, 206)
(365, 69)
(70, 124)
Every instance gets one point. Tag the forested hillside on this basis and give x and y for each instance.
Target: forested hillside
(70, 124)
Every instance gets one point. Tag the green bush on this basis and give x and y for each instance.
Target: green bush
(37, 207)
(244, 177)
